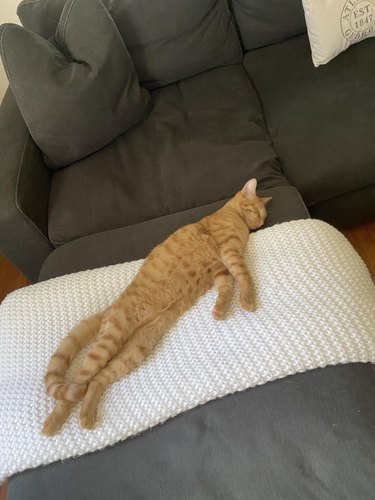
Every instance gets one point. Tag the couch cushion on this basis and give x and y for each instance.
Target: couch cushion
(321, 120)
(263, 22)
(167, 40)
(137, 240)
(90, 89)
(203, 139)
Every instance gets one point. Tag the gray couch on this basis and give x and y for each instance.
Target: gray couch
(249, 104)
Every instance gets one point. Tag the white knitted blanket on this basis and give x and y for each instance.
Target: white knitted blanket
(316, 306)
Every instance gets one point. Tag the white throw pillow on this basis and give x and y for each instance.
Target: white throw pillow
(334, 25)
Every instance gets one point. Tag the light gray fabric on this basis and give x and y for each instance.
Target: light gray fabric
(136, 241)
(78, 93)
(168, 40)
(310, 436)
(263, 22)
(204, 138)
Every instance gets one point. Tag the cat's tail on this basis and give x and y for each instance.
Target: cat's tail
(77, 338)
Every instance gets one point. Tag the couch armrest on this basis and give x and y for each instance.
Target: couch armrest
(24, 192)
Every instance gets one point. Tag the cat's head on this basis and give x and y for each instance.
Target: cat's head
(251, 206)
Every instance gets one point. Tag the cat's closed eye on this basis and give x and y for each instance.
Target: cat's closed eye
(252, 210)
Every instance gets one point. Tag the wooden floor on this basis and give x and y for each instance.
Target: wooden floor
(3, 492)
(10, 280)
(363, 240)
(361, 237)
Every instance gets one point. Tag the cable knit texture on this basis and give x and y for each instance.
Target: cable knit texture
(316, 307)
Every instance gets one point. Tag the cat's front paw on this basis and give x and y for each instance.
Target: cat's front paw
(247, 301)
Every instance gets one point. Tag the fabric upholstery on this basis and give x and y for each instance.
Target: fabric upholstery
(320, 119)
(204, 138)
(167, 40)
(263, 22)
(80, 91)
(24, 191)
(347, 210)
(307, 436)
(137, 240)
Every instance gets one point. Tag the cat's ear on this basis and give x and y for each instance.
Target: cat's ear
(265, 201)
(249, 188)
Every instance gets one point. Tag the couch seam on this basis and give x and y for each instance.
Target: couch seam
(22, 4)
(16, 191)
(27, 3)
(345, 193)
(26, 139)
(303, 203)
(234, 30)
(63, 32)
(269, 136)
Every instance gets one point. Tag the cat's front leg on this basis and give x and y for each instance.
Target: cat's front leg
(224, 285)
(234, 262)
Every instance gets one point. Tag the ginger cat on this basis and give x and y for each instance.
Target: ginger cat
(174, 275)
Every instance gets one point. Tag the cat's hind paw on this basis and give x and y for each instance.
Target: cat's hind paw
(88, 414)
(248, 302)
(50, 427)
(57, 418)
(88, 418)
(218, 314)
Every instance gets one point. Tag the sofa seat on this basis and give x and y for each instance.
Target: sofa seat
(137, 240)
(320, 119)
(203, 139)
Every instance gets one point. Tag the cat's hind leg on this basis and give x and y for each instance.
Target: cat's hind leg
(72, 392)
(136, 350)
(57, 417)
(77, 339)
(224, 285)
(115, 329)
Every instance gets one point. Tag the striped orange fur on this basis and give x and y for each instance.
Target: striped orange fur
(174, 275)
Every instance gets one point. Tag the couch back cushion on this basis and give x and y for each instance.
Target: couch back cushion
(167, 40)
(263, 22)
